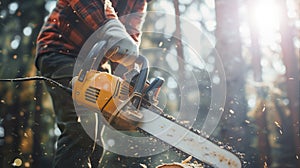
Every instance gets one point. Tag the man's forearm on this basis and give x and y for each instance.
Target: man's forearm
(96, 12)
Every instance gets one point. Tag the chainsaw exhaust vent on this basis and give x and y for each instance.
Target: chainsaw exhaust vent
(92, 94)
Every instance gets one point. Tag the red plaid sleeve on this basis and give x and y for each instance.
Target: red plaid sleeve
(95, 12)
(92, 11)
(133, 18)
(73, 21)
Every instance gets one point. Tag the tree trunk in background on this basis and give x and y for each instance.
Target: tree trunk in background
(178, 42)
(292, 76)
(232, 126)
(14, 109)
(264, 147)
(18, 99)
(180, 56)
(36, 128)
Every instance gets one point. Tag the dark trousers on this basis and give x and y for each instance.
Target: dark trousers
(74, 147)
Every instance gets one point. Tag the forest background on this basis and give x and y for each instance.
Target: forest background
(257, 42)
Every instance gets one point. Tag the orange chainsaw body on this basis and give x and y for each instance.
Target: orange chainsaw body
(101, 91)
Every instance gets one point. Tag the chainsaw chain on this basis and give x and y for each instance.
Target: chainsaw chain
(202, 134)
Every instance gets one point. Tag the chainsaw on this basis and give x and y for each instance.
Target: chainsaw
(131, 101)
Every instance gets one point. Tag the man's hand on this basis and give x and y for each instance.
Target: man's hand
(124, 51)
(121, 48)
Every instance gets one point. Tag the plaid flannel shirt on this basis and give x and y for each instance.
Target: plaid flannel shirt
(73, 21)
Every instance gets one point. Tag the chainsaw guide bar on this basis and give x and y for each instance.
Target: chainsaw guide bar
(189, 141)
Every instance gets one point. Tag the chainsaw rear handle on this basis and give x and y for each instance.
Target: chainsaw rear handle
(93, 59)
(98, 53)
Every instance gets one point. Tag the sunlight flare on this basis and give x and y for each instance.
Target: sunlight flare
(266, 17)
